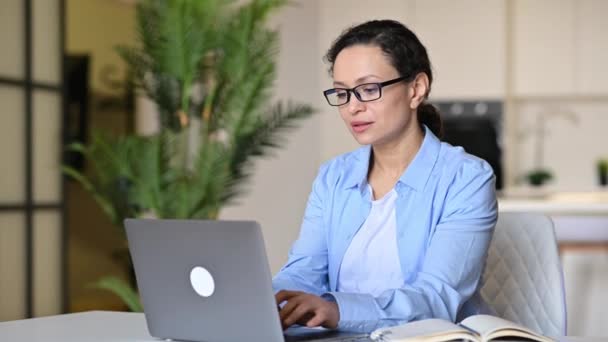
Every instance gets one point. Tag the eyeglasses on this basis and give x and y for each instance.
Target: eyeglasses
(364, 92)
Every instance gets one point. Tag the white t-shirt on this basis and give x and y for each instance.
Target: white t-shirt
(371, 262)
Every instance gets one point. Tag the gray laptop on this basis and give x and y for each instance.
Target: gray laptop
(210, 281)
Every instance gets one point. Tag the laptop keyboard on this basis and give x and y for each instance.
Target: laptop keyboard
(347, 339)
(356, 338)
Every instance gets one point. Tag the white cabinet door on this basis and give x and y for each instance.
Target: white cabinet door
(466, 43)
(591, 47)
(543, 39)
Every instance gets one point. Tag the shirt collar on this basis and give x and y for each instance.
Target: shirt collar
(415, 176)
(356, 175)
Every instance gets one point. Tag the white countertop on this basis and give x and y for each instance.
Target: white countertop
(556, 203)
(578, 216)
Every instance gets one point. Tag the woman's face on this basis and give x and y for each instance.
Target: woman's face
(380, 121)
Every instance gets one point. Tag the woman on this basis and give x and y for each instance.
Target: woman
(397, 230)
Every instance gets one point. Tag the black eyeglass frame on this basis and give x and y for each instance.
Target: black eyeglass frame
(352, 90)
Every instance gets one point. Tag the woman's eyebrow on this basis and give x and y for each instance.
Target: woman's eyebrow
(358, 80)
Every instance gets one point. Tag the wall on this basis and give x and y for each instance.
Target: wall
(96, 27)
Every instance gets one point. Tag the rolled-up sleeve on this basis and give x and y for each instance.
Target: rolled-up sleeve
(451, 267)
(306, 268)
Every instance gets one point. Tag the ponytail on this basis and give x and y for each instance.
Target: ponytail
(429, 115)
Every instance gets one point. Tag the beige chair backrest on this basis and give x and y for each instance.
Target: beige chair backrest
(522, 280)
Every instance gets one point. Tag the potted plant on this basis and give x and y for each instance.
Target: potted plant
(539, 177)
(209, 66)
(602, 171)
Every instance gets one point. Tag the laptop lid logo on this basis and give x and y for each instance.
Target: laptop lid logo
(202, 281)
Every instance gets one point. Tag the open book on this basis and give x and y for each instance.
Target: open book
(478, 328)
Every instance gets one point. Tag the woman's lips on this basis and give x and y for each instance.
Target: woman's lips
(360, 126)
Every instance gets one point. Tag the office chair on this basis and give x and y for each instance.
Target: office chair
(522, 280)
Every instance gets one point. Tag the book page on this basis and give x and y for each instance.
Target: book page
(490, 327)
(428, 330)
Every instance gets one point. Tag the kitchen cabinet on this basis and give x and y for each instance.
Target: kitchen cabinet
(591, 47)
(543, 42)
(560, 48)
(466, 43)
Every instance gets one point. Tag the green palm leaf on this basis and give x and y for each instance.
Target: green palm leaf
(123, 290)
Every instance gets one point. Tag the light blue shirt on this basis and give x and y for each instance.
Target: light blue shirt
(445, 212)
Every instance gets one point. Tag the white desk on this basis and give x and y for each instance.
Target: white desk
(103, 326)
(93, 326)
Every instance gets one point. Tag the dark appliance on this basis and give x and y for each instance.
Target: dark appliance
(477, 127)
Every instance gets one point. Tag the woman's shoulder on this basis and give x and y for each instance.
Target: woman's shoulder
(456, 161)
(466, 182)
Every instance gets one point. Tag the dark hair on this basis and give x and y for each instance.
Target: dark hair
(405, 51)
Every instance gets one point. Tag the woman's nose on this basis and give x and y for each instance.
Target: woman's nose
(354, 105)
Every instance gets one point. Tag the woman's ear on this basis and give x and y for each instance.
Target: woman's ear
(419, 90)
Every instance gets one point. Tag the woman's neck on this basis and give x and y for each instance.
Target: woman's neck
(393, 157)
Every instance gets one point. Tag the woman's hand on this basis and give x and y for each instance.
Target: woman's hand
(307, 309)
